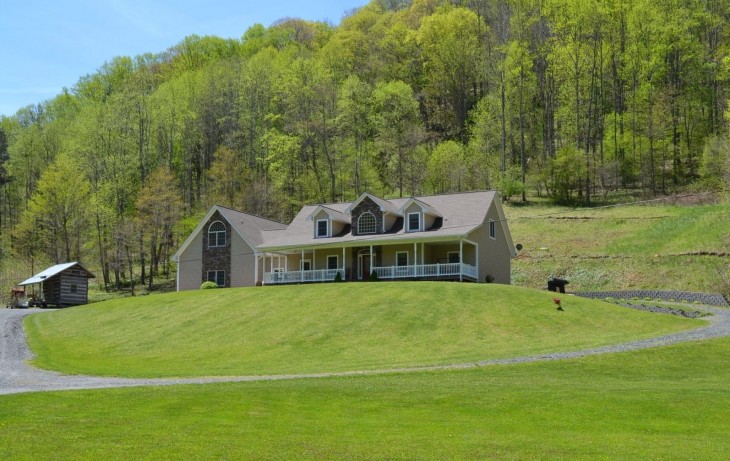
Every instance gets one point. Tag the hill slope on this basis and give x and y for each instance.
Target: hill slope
(625, 247)
(318, 328)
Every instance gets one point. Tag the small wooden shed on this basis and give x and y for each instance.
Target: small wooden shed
(63, 284)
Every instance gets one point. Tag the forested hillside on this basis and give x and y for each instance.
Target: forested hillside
(570, 99)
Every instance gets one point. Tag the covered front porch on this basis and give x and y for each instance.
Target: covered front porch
(444, 260)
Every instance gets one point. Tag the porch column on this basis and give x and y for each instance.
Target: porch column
(415, 259)
(256, 269)
(371, 259)
(344, 271)
(461, 258)
(301, 268)
(286, 263)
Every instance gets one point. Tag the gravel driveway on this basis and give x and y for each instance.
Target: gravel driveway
(17, 376)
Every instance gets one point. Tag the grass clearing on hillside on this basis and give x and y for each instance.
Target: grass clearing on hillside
(665, 403)
(326, 327)
(624, 247)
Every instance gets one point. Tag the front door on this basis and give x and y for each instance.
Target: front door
(364, 267)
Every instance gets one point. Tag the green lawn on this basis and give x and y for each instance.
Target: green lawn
(321, 328)
(658, 404)
(626, 247)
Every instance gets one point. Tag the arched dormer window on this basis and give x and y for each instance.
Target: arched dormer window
(217, 235)
(366, 224)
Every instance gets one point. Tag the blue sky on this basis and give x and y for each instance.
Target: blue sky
(46, 45)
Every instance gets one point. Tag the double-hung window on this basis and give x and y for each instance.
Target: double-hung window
(322, 228)
(414, 222)
(219, 277)
(332, 262)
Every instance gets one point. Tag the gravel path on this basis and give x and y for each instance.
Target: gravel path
(17, 376)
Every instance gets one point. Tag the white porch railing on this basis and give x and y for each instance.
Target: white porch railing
(320, 275)
(391, 272)
(426, 270)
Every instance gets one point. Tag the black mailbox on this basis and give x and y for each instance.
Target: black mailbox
(555, 284)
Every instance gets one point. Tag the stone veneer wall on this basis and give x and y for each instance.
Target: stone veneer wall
(372, 207)
(218, 258)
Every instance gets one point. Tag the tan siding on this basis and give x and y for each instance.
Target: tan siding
(242, 263)
(412, 208)
(337, 227)
(389, 220)
(190, 265)
(494, 256)
(439, 253)
(428, 221)
(390, 251)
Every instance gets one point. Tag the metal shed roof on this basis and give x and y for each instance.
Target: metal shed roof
(51, 272)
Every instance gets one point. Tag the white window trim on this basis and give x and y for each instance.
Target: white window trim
(492, 229)
(420, 222)
(337, 262)
(396, 258)
(215, 277)
(375, 228)
(316, 229)
(302, 262)
(225, 233)
(449, 253)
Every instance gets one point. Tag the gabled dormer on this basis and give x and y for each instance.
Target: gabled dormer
(328, 222)
(418, 216)
(372, 215)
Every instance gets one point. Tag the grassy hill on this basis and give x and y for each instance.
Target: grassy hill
(320, 328)
(624, 247)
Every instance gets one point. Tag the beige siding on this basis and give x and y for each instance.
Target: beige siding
(190, 265)
(439, 253)
(336, 228)
(494, 255)
(428, 221)
(242, 263)
(388, 220)
(390, 251)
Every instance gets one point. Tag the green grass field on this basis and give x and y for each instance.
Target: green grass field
(323, 328)
(658, 404)
(624, 247)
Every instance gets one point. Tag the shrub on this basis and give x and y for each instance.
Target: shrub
(338, 277)
(208, 285)
(374, 276)
(489, 278)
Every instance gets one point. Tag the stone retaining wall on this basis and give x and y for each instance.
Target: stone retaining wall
(710, 299)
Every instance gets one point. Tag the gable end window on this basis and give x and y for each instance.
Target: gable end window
(414, 222)
(366, 224)
(218, 277)
(217, 235)
(492, 229)
(322, 228)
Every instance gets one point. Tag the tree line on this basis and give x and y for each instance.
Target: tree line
(570, 99)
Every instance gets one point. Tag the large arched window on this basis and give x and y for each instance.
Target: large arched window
(217, 235)
(366, 224)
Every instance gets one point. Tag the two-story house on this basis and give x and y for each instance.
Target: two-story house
(440, 237)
